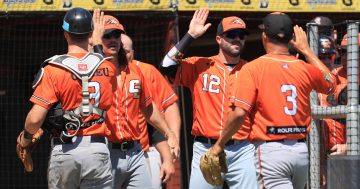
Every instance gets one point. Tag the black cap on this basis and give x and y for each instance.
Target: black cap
(278, 26)
(322, 21)
(78, 21)
(325, 25)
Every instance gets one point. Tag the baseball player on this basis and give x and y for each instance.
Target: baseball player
(79, 154)
(334, 130)
(208, 78)
(340, 96)
(273, 90)
(127, 157)
(158, 154)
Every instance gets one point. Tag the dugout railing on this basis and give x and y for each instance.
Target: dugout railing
(342, 171)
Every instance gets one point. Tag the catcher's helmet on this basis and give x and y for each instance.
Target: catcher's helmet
(326, 45)
(78, 21)
(325, 25)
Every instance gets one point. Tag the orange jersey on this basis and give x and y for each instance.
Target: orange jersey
(275, 90)
(161, 92)
(58, 84)
(334, 131)
(130, 97)
(208, 79)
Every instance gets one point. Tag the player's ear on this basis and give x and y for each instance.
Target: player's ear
(66, 35)
(263, 38)
(218, 39)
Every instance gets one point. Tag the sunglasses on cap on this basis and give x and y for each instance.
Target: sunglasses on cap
(114, 34)
(233, 34)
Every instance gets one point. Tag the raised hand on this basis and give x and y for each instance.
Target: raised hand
(197, 25)
(301, 42)
(99, 24)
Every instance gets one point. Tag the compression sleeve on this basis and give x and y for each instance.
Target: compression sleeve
(169, 64)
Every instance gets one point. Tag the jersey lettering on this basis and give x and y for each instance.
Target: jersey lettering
(290, 98)
(134, 88)
(211, 84)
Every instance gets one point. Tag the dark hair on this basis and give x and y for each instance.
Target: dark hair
(277, 41)
(122, 56)
(79, 38)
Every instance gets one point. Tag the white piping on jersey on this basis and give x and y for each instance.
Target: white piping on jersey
(167, 99)
(241, 101)
(280, 60)
(42, 100)
(223, 101)
(126, 109)
(117, 114)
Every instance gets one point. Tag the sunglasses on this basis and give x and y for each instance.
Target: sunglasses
(113, 34)
(233, 34)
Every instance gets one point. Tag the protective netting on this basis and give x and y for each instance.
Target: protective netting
(336, 115)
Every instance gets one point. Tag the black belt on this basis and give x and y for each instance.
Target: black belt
(124, 146)
(93, 139)
(213, 141)
(283, 140)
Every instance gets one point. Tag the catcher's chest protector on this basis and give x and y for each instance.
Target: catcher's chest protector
(83, 69)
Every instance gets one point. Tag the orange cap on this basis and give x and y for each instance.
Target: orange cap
(111, 23)
(231, 23)
(344, 41)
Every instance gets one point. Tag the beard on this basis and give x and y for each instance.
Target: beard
(231, 52)
(228, 49)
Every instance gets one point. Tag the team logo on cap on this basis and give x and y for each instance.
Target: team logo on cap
(111, 21)
(238, 21)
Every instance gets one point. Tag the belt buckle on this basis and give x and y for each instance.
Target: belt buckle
(124, 146)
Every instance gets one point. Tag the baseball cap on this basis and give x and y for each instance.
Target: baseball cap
(231, 23)
(278, 25)
(325, 25)
(111, 23)
(344, 41)
(322, 21)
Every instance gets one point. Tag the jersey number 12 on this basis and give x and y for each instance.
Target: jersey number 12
(211, 83)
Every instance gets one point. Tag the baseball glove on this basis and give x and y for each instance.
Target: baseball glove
(24, 152)
(212, 165)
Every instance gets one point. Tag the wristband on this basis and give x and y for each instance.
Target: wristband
(184, 44)
(28, 135)
(99, 49)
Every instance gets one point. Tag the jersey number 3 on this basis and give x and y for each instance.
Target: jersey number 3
(290, 98)
(213, 85)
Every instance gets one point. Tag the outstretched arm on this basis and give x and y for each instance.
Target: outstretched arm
(156, 119)
(302, 45)
(236, 118)
(167, 169)
(172, 117)
(197, 28)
